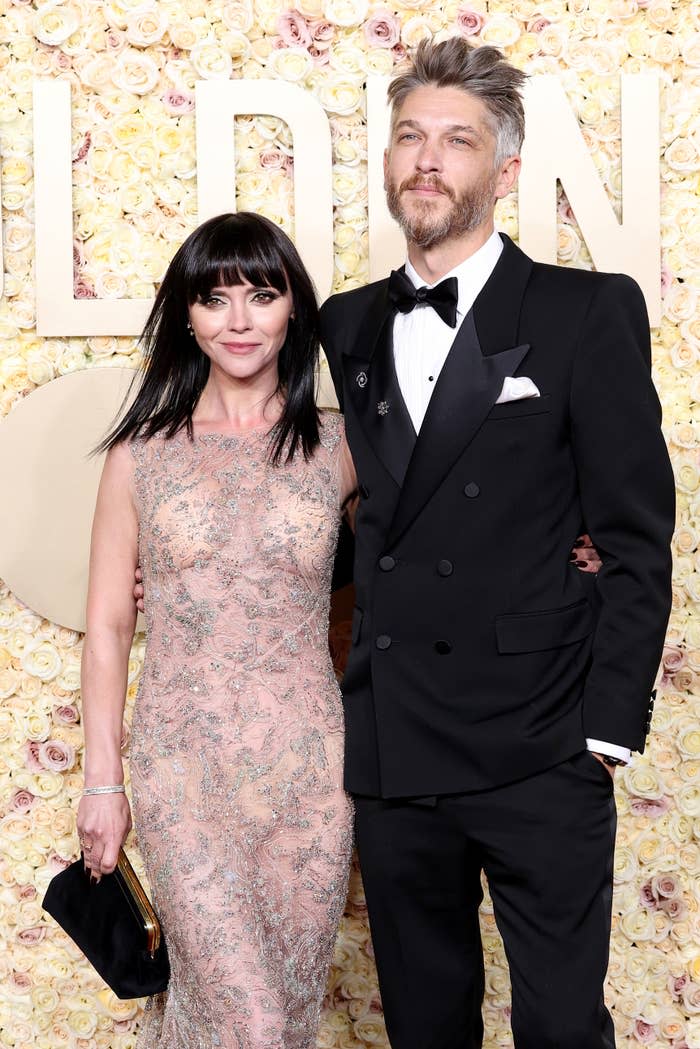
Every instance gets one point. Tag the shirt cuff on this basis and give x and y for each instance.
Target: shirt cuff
(611, 749)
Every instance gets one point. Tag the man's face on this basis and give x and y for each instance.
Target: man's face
(439, 172)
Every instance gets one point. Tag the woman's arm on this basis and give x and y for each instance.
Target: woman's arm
(105, 820)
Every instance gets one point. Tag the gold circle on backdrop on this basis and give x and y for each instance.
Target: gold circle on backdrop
(51, 482)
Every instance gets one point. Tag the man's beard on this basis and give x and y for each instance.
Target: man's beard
(426, 228)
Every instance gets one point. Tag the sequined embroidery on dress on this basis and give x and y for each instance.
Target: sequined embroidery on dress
(237, 737)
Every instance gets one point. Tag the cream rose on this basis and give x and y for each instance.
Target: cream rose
(339, 95)
(42, 661)
(346, 13)
(291, 63)
(211, 61)
(55, 22)
(135, 72)
(146, 27)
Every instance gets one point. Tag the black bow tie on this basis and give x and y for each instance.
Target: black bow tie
(443, 297)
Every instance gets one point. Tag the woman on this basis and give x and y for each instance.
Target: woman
(224, 482)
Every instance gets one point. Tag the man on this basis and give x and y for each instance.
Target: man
(495, 408)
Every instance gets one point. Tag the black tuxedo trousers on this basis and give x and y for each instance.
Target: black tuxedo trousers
(481, 659)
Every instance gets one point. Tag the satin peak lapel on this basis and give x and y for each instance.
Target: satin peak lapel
(371, 385)
(467, 389)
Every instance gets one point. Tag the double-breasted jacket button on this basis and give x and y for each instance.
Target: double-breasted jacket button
(445, 567)
(386, 563)
(443, 648)
(383, 642)
(364, 491)
(471, 490)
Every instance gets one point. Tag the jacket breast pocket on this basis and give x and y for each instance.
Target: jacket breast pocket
(538, 631)
(527, 406)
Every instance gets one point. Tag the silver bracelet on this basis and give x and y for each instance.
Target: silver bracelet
(118, 788)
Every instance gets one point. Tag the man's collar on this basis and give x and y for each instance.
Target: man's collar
(471, 274)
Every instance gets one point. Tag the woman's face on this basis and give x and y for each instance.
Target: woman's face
(241, 328)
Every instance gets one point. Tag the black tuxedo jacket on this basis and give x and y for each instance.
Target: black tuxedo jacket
(480, 654)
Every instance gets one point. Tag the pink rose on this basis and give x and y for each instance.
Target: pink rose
(647, 898)
(26, 892)
(178, 101)
(321, 31)
(382, 29)
(83, 148)
(31, 937)
(272, 159)
(293, 29)
(690, 996)
(565, 212)
(665, 886)
(649, 807)
(399, 51)
(115, 40)
(31, 758)
(82, 290)
(666, 279)
(20, 983)
(469, 22)
(66, 714)
(644, 1032)
(57, 863)
(21, 801)
(56, 756)
(675, 908)
(321, 58)
(536, 25)
(676, 985)
(674, 659)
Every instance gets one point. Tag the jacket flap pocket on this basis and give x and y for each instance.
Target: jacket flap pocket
(356, 624)
(526, 406)
(536, 631)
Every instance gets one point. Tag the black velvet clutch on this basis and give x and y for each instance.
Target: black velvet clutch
(114, 925)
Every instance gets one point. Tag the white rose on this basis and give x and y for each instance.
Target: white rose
(146, 27)
(346, 12)
(337, 95)
(211, 61)
(42, 660)
(135, 72)
(290, 63)
(55, 22)
(238, 15)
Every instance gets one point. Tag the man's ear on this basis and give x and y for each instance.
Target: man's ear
(507, 176)
(386, 165)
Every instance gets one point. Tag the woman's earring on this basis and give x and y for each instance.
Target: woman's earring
(190, 330)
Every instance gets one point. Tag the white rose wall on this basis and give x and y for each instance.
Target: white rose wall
(132, 68)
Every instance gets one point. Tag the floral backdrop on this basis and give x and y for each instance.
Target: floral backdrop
(132, 65)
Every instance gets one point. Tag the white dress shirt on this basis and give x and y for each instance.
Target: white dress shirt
(422, 341)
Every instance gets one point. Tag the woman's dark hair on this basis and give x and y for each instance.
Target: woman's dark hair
(225, 251)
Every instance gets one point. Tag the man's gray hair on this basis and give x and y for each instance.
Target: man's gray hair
(480, 71)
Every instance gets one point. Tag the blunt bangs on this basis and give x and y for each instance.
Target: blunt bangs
(229, 253)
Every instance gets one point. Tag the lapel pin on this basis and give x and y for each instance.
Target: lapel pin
(383, 408)
(361, 380)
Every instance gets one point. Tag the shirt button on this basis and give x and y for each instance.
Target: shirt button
(443, 648)
(383, 642)
(386, 563)
(471, 490)
(445, 567)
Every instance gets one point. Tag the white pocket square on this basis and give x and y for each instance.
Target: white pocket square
(517, 389)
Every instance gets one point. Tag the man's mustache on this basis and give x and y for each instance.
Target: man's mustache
(432, 182)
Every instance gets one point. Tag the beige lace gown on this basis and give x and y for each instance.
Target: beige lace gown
(237, 736)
